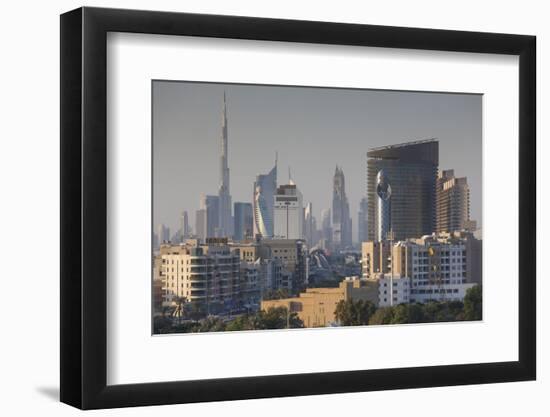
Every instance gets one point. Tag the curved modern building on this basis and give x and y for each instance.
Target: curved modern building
(411, 169)
(265, 187)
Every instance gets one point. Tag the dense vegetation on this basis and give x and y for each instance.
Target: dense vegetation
(273, 318)
(348, 313)
(356, 313)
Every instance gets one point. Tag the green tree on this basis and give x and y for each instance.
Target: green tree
(277, 294)
(400, 314)
(279, 318)
(473, 303)
(244, 322)
(384, 315)
(430, 310)
(273, 318)
(415, 313)
(211, 324)
(194, 310)
(162, 325)
(186, 327)
(354, 313)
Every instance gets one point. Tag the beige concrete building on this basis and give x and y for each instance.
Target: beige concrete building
(277, 261)
(206, 274)
(292, 253)
(375, 258)
(316, 306)
(440, 266)
(284, 249)
(452, 203)
(288, 251)
(450, 257)
(249, 251)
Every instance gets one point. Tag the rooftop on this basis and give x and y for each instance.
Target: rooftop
(401, 145)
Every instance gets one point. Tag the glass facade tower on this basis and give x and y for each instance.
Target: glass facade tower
(411, 169)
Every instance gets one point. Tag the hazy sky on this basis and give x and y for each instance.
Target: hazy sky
(312, 129)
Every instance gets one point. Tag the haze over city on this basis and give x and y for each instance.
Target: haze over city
(311, 129)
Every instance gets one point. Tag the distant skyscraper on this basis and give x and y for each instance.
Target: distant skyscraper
(452, 203)
(411, 169)
(244, 221)
(200, 224)
(211, 205)
(310, 225)
(225, 222)
(184, 225)
(341, 221)
(288, 213)
(326, 229)
(264, 199)
(362, 225)
(163, 234)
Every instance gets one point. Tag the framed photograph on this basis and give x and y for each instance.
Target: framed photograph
(256, 208)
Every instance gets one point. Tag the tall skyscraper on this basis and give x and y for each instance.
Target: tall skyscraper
(243, 227)
(163, 234)
(341, 221)
(264, 199)
(288, 212)
(225, 223)
(411, 169)
(200, 224)
(310, 226)
(184, 225)
(211, 205)
(326, 229)
(452, 202)
(362, 225)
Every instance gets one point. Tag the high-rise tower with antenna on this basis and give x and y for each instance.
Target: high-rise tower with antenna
(225, 224)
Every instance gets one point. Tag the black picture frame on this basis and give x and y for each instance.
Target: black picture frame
(84, 207)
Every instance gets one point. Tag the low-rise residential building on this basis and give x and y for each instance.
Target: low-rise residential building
(293, 255)
(393, 291)
(316, 306)
(375, 258)
(280, 260)
(224, 276)
(439, 292)
(250, 291)
(204, 274)
(439, 267)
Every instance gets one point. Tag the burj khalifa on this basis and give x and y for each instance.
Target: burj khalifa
(225, 224)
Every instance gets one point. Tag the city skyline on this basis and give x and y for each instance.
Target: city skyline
(177, 150)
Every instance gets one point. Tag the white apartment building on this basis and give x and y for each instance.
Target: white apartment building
(443, 292)
(439, 267)
(393, 291)
(288, 213)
